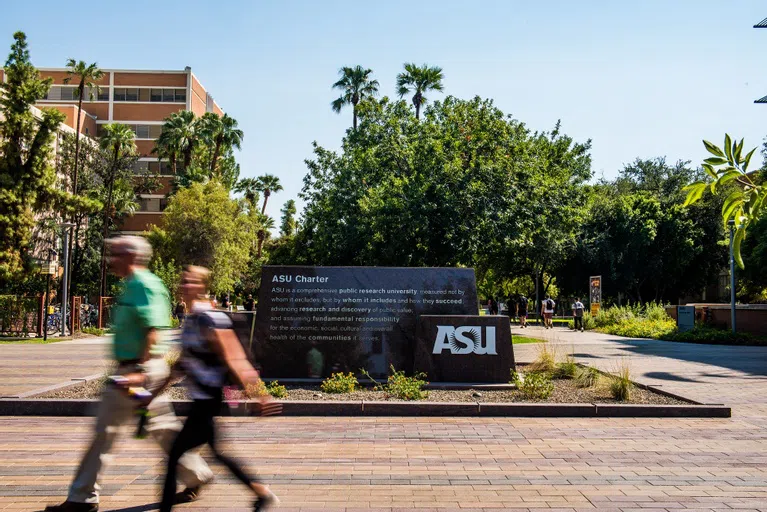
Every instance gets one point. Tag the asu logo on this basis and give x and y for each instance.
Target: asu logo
(466, 339)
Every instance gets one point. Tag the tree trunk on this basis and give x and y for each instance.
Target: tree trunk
(81, 91)
(187, 158)
(417, 102)
(173, 163)
(267, 193)
(214, 159)
(354, 114)
(107, 209)
(261, 237)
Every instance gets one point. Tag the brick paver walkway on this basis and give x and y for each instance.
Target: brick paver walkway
(427, 464)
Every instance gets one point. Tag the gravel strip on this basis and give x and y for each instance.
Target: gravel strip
(565, 391)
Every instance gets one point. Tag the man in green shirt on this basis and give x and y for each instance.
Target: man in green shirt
(141, 311)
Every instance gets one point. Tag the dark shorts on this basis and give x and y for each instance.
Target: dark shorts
(522, 313)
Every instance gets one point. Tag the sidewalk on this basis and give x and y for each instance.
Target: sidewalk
(732, 375)
(28, 369)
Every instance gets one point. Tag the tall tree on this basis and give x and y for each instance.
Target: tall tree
(178, 138)
(225, 135)
(26, 176)
(268, 184)
(419, 80)
(250, 188)
(355, 85)
(203, 226)
(86, 75)
(119, 139)
(288, 223)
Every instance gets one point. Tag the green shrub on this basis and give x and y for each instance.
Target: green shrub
(620, 384)
(641, 328)
(566, 369)
(586, 377)
(95, 331)
(406, 388)
(705, 334)
(174, 323)
(340, 383)
(617, 314)
(533, 385)
(276, 389)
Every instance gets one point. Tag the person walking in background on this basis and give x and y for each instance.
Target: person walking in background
(522, 310)
(141, 310)
(578, 314)
(250, 304)
(180, 311)
(547, 310)
(210, 354)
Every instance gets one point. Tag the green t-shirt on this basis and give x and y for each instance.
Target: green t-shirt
(143, 304)
(315, 361)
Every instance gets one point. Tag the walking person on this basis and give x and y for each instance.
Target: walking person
(547, 310)
(211, 353)
(522, 311)
(142, 309)
(181, 311)
(250, 304)
(578, 314)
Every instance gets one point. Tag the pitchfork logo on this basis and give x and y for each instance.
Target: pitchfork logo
(465, 340)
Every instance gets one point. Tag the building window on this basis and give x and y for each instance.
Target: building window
(180, 95)
(143, 94)
(119, 94)
(131, 94)
(142, 131)
(103, 94)
(155, 95)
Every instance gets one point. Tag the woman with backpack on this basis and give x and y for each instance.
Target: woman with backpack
(547, 310)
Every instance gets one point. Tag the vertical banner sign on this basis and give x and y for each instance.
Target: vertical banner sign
(595, 293)
(685, 318)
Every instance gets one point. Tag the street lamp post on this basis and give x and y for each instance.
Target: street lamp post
(731, 224)
(64, 299)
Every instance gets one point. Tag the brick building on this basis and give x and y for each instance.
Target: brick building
(141, 99)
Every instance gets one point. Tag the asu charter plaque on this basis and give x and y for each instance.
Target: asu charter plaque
(351, 317)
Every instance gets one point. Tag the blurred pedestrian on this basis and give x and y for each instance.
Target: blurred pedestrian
(547, 310)
(211, 353)
(142, 309)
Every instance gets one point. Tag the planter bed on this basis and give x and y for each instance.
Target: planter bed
(565, 392)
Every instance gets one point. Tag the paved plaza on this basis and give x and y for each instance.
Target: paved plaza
(449, 463)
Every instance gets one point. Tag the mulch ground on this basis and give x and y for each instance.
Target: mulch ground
(565, 391)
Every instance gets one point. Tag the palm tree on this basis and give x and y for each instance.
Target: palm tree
(225, 135)
(86, 75)
(119, 139)
(419, 80)
(179, 137)
(268, 184)
(355, 85)
(250, 188)
(267, 224)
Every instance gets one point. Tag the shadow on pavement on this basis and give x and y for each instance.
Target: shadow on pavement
(735, 357)
(668, 376)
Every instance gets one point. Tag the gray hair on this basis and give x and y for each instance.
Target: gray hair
(136, 246)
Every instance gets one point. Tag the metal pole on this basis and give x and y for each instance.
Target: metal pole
(64, 298)
(731, 224)
(47, 303)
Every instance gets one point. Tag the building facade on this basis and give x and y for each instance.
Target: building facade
(141, 99)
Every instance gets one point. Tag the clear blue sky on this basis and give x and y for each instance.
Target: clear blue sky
(641, 79)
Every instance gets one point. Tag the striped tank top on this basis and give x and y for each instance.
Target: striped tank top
(206, 373)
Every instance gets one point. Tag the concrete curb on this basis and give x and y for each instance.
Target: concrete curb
(14, 407)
